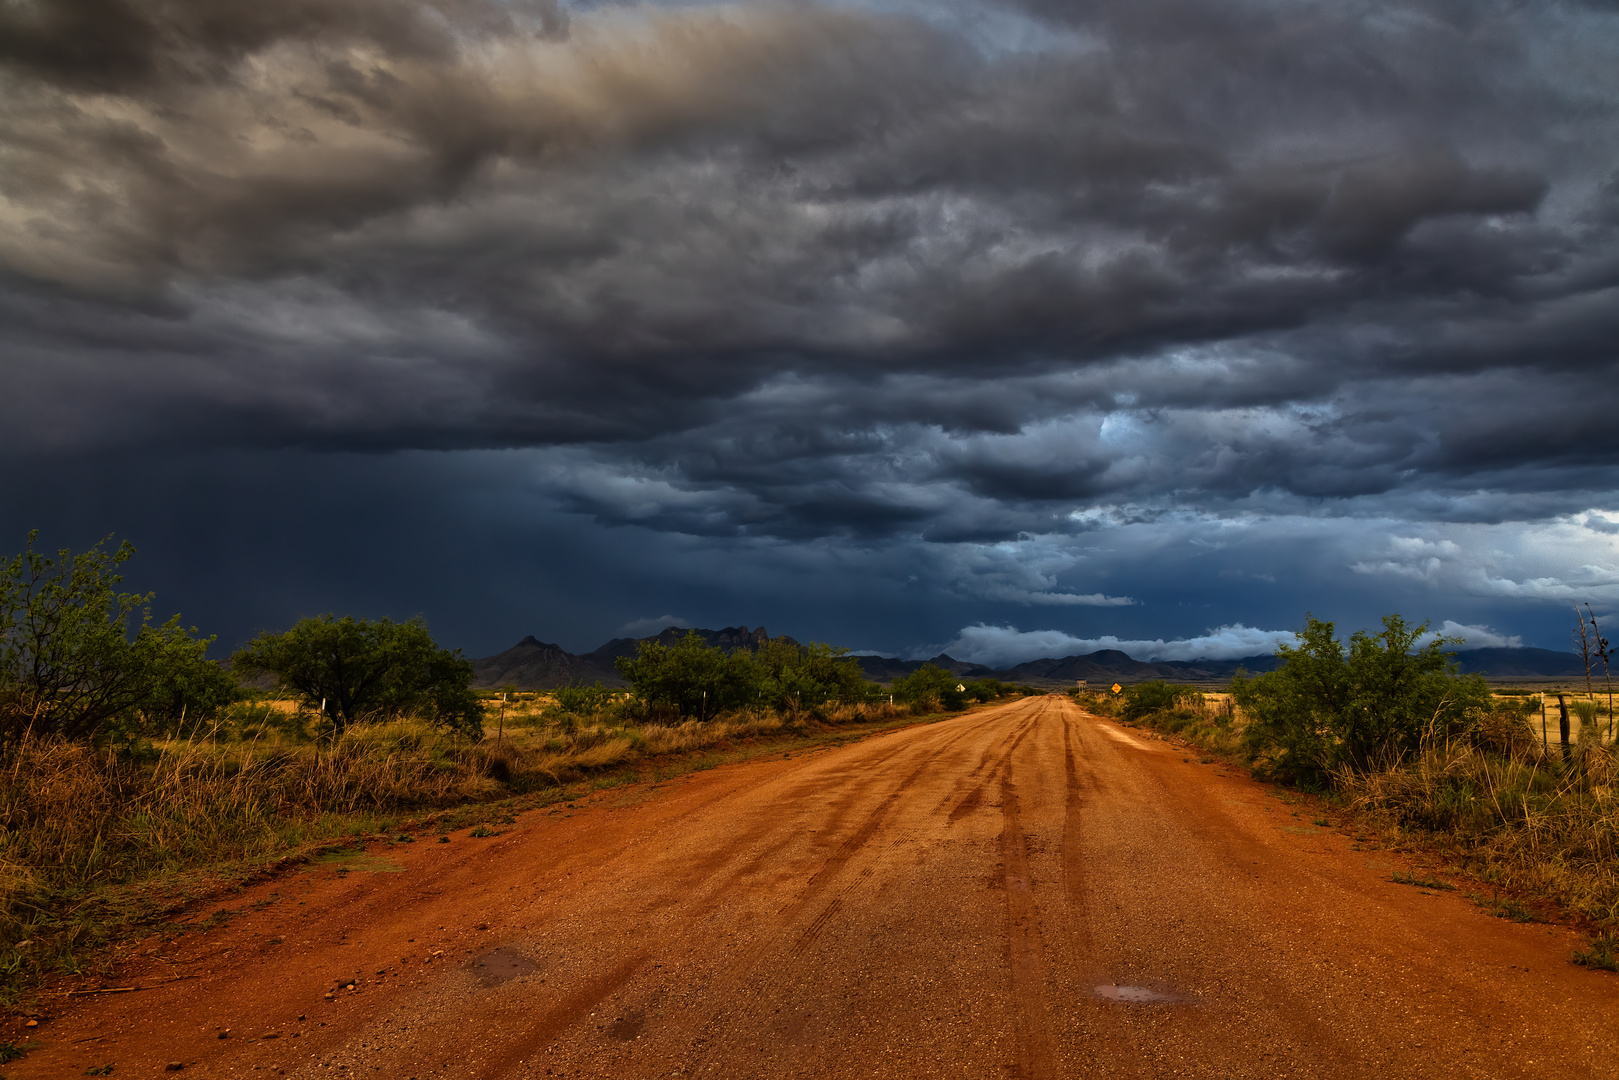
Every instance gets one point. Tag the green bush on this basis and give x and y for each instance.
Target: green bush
(693, 679)
(930, 687)
(1328, 708)
(986, 690)
(81, 661)
(357, 670)
(797, 678)
(1151, 697)
(581, 700)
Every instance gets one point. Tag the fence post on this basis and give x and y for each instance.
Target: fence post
(1562, 724)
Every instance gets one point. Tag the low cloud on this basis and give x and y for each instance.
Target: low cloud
(1411, 557)
(1057, 599)
(1007, 646)
(648, 627)
(1474, 637)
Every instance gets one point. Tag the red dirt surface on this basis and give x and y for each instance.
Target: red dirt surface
(986, 896)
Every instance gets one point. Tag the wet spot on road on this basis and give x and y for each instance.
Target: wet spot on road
(500, 965)
(628, 1027)
(1133, 995)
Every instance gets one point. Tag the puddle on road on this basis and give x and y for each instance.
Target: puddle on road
(625, 1028)
(500, 965)
(1133, 995)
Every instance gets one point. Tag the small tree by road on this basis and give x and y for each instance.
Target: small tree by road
(1327, 707)
(795, 678)
(363, 670)
(694, 679)
(1144, 698)
(930, 687)
(80, 660)
(691, 678)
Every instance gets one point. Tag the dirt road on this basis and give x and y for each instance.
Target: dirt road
(1024, 891)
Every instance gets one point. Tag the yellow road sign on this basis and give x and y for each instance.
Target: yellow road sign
(1117, 688)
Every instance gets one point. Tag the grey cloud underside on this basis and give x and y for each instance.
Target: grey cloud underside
(810, 270)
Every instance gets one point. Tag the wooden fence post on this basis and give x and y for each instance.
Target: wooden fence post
(1562, 724)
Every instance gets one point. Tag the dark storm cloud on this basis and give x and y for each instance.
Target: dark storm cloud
(948, 277)
(123, 46)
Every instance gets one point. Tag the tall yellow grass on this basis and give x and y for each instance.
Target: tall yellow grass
(1526, 820)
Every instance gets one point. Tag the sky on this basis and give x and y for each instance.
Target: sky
(1008, 327)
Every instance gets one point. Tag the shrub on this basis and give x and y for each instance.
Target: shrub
(695, 679)
(582, 700)
(797, 678)
(1150, 697)
(358, 670)
(930, 687)
(83, 662)
(690, 678)
(1504, 730)
(1328, 708)
(986, 690)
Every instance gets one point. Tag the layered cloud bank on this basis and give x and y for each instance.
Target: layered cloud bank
(1006, 646)
(1009, 297)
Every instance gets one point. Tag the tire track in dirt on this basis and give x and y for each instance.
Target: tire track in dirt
(1025, 952)
(704, 889)
(1075, 792)
(935, 753)
(767, 943)
(559, 1017)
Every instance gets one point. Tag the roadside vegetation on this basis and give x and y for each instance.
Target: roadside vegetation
(355, 671)
(137, 774)
(1388, 730)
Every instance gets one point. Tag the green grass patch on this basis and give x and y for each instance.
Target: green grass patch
(347, 860)
(1602, 953)
(1504, 908)
(1401, 877)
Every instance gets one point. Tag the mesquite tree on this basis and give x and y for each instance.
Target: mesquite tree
(359, 670)
(80, 660)
(1328, 707)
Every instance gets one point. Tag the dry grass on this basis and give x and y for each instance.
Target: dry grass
(82, 830)
(76, 820)
(1526, 821)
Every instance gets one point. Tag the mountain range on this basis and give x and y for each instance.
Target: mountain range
(532, 664)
